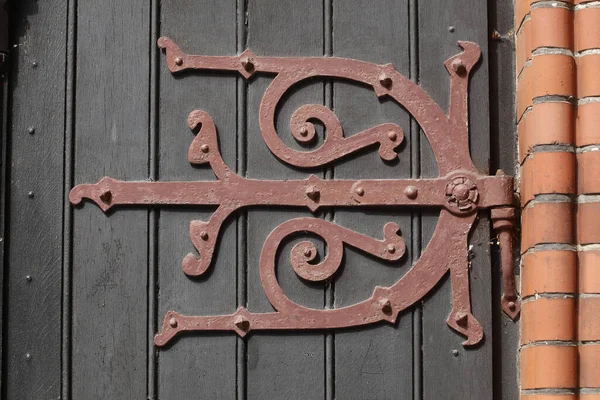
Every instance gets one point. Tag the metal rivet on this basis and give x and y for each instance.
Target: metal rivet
(303, 131)
(391, 248)
(106, 196)
(179, 61)
(462, 318)
(360, 191)
(455, 353)
(242, 323)
(411, 192)
(459, 67)
(313, 193)
(385, 81)
(30, 195)
(392, 135)
(307, 252)
(31, 130)
(386, 306)
(27, 356)
(204, 148)
(451, 29)
(173, 322)
(34, 64)
(512, 306)
(204, 235)
(28, 278)
(247, 64)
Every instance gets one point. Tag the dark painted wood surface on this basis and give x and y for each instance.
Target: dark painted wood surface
(110, 252)
(289, 366)
(32, 344)
(129, 122)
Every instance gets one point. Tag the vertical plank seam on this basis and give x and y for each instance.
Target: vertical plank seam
(415, 172)
(328, 89)
(4, 187)
(151, 373)
(242, 220)
(68, 173)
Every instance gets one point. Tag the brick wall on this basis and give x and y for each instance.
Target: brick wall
(558, 112)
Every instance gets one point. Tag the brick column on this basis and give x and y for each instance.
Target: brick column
(587, 140)
(558, 96)
(546, 92)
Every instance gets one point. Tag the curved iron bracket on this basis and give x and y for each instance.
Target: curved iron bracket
(459, 192)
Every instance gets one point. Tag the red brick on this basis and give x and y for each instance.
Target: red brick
(548, 319)
(548, 173)
(588, 223)
(589, 271)
(545, 367)
(550, 271)
(588, 78)
(589, 366)
(587, 28)
(588, 124)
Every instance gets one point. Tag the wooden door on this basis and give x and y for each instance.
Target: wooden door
(85, 292)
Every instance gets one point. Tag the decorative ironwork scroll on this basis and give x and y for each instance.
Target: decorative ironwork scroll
(459, 192)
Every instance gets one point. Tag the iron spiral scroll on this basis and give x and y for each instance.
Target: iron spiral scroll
(459, 191)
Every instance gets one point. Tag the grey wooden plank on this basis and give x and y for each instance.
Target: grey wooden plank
(468, 375)
(504, 156)
(281, 365)
(32, 349)
(375, 362)
(202, 365)
(110, 253)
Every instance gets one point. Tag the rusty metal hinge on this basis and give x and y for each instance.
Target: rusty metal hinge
(459, 192)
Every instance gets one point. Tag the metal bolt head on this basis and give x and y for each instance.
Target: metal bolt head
(462, 318)
(313, 193)
(512, 306)
(451, 29)
(204, 148)
(173, 322)
(248, 64)
(303, 131)
(31, 130)
(411, 192)
(34, 64)
(27, 356)
(106, 196)
(30, 195)
(461, 191)
(179, 61)
(307, 252)
(391, 248)
(385, 81)
(455, 353)
(204, 235)
(360, 191)
(242, 323)
(28, 278)
(386, 306)
(459, 67)
(392, 135)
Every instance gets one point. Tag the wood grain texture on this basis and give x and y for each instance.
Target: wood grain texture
(32, 352)
(110, 251)
(285, 365)
(202, 365)
(374, 362)
(468, 375)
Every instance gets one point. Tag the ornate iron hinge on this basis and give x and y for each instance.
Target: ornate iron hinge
(459, 192)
